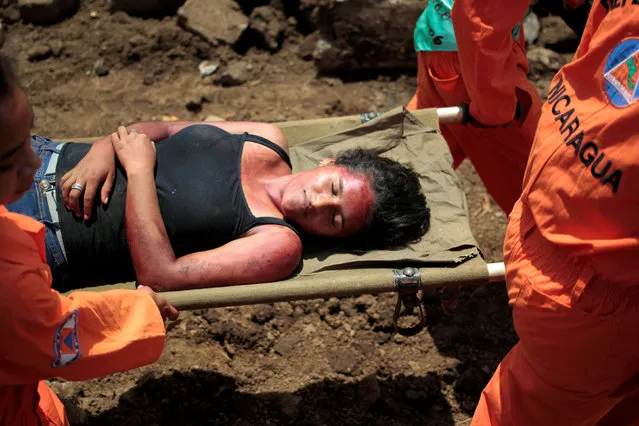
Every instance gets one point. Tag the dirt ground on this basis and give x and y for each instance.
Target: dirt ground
(325, 362)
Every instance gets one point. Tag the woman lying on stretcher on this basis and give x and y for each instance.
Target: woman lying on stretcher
(210, 204)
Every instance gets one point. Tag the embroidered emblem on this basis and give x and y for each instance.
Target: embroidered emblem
(621, 73)
(66, 345)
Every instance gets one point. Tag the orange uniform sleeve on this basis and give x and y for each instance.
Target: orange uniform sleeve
(83, 336)
(489, 56)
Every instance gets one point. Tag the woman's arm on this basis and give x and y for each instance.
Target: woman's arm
(267, 255)
(160, 130)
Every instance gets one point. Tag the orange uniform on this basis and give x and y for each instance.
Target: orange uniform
(489, 73)
(572, 244)
(45, 334)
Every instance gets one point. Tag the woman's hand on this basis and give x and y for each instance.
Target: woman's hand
(136, 151)
(166, 309)
(95, 169)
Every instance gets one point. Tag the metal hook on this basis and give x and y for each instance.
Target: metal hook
(409, 301)
(408, 282)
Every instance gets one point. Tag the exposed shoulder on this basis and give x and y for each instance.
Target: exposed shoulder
(274, 134)
(283, 242)
(269, 252)
(262, 155)
(278, 234)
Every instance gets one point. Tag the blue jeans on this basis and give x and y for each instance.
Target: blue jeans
(34, 203)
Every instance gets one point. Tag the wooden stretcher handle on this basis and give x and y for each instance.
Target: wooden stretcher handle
(472, 272)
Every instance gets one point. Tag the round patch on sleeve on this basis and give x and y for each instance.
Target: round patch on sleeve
(621, 73)
(66, 345)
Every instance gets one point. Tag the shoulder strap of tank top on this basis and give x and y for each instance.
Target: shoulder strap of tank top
(266, 220)
(267, 143)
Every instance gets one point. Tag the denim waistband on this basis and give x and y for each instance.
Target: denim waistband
(46, 195)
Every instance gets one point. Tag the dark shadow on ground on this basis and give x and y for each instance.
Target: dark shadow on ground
(477, 330)
(200, 397)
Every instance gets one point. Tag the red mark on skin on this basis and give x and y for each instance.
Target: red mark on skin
(358, 200)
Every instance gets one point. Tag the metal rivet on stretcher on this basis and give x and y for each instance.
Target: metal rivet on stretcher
(45, 184)
(409, 272)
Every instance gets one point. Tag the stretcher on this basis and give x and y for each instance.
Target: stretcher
(446, 255)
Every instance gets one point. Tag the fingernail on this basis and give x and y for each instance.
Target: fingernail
(106, 200)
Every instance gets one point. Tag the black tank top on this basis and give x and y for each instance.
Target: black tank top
(201, 201)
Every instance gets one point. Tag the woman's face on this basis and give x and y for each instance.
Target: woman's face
(328, 201)
(18, 162)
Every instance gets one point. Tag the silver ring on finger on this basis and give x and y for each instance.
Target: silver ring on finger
(133, 131)
(78, 186)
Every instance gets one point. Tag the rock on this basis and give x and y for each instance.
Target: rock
(542, 59)
(333, 321)
(39, 52)
(218, 21)
(138, 40)
(366, 342)
(47, 10)
(242, 335)
(263, 313)
(286, 344)
(268, 24)
(360, 34)
(574, 17)
(326, 53)
(235, 74)
(207, 68)
(556, 35)
(100, 68)
(146, 7)
(362, 303)
(381, 317)
(532, 27)
(348, 307)
(368, 392)
(306, 48)
(213, 118)
(56, 47)
(345, 361)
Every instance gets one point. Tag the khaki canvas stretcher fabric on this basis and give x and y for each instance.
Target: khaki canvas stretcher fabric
(448, 243)
(403, 138)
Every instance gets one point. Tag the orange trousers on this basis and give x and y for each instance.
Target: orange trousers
(499, 154)
(578, 354)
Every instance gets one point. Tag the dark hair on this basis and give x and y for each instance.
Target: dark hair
(400, 215)
(8, 79)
